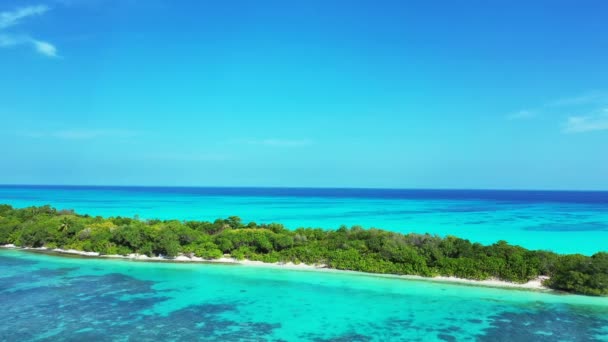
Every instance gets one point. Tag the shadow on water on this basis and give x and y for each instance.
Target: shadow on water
(565, 323)
(108, 308)
(53, 304)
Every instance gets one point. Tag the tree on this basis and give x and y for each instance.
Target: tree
(167, 243)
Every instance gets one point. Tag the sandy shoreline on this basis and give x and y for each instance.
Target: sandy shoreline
(535, 284)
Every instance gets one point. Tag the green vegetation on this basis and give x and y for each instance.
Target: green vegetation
(357, 249)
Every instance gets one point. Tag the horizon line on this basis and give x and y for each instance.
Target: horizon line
(298, 187)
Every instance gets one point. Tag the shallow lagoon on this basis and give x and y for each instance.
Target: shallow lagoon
(48, 297)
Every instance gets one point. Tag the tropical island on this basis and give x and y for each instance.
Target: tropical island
(355, 249)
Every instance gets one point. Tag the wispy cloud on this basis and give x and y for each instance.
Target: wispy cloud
(589, 98)
(9, 19)
(79, 134)
(45, 48)
(587, 123)
(586, 112)
(191, 157)
(280, 142)
(86, 3)
(12, 18)
(522, 115)
(8, 40)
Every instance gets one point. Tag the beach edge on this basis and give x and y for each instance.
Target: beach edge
(532, 285)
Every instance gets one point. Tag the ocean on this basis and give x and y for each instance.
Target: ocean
(52, 298)
(561, 221)
(55, 298)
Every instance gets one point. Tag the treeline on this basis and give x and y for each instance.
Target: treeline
(356, 249)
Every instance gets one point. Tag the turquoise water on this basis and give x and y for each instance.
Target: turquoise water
(565, 222)
(51, 298)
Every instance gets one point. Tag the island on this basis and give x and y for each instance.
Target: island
(354, 249)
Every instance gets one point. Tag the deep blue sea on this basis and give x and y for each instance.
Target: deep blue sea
(52, 298)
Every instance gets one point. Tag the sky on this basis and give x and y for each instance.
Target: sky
(397, 94)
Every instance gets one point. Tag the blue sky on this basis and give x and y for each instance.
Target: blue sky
(416, 94)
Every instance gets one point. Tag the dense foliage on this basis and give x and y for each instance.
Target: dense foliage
(357, 249)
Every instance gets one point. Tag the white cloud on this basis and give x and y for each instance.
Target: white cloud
(45, 48)
(280, 142)
(594, 108)
(13, 18)
(587, 123)
(583, 113)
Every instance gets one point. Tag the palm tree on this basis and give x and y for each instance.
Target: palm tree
(65, 224)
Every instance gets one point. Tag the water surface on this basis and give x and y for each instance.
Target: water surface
(562, 221)
(52, 298)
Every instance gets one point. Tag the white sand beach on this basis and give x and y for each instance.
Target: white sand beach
(535, 284)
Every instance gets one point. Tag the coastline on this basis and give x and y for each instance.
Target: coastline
(533, 285)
